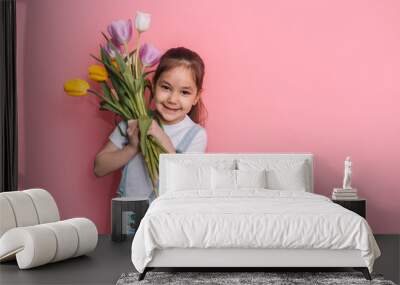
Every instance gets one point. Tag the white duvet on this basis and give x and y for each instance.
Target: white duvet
(250, 218)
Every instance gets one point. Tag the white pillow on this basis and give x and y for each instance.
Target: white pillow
(251, 178)
(289, 179)
(223, 179)
(181, 177)
(282, 174)
(228, 179)
(219, 163)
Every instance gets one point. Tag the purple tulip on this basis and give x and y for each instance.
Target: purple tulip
(120, 31)
(149, 55)
(111, 51)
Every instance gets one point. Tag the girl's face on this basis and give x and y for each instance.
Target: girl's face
(175, 94)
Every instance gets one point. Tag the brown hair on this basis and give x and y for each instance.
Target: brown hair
(179, 56)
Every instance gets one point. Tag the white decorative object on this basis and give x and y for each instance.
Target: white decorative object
(31, 231)
(347, 174)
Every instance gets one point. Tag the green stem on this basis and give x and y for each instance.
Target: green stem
(151, 165)
(127, 53)
(153, 159)
(159, 145)
(137, 56)
(109, 102)
(142, 99)
(154, 166)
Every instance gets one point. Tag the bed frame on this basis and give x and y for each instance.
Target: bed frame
(242, 259)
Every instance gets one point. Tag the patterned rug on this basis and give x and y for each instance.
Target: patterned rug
(269, 278)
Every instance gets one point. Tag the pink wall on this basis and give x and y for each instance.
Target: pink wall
(282, 76)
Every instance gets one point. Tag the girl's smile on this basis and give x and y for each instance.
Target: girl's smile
(170, 108)
(175, 94)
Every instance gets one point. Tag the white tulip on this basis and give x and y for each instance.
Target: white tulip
(142, 21)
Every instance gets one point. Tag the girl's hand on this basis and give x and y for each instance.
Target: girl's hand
(157, 132)
(133, 133)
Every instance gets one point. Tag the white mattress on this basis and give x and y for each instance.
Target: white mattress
(250, 218)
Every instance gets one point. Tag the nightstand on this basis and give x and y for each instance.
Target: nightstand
(358, 206)
(126, 214)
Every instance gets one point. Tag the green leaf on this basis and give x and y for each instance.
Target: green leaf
(131, 95)
(133, 69)
(132, 52)
(107, 91)
(96, 58)
(112, 71)
(116, 80)
(105, 58)
(151, 114)
(121, 63)
(144, 125)
(128, 78)
(105, 36)
(126, 105)
(96, 94)
(106, 106)
(116, 108)
(123, 92)
(110, 67)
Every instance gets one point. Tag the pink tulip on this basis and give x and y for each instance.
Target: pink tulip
(149, 55)
(120, 31)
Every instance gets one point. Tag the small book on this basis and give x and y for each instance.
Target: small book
(345, 194)
(334, 197)
(345, 199)
(341, 190)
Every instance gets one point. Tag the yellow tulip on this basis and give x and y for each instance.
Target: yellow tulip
(98, 73)
(76, 87)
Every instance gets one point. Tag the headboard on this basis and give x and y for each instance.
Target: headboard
(218, 158)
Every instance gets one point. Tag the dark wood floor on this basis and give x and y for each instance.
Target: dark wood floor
(110, 260)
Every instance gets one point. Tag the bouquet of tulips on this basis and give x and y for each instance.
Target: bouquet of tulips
(123, 78)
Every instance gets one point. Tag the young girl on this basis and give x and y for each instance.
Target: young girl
(177, 87)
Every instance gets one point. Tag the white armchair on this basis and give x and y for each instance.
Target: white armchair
(31, 230)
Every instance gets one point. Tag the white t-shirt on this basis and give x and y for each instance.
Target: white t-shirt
(135, 180)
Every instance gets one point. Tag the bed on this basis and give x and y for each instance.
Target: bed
(247, 210)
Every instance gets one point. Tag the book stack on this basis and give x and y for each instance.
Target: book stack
(344, 194)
